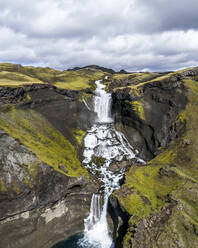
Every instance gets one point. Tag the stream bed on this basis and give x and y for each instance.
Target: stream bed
(103, 146)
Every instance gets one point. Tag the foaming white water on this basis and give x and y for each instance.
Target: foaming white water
(103, 142)
(102, 104)
(96, 226)
(95, 212)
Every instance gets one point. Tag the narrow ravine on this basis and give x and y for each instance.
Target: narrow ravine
(103, 146)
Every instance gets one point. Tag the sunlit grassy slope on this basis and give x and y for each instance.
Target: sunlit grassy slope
(171, 174)
(15, 79)
(49, 145)
(16, 75)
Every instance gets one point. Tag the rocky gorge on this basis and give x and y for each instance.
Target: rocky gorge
(45, 191)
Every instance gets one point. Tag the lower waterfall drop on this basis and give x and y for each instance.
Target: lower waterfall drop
(96, 234)
(95, 212)
(104, 142)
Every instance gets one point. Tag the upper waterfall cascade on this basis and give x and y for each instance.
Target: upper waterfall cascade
(103, 142)
(102, 104)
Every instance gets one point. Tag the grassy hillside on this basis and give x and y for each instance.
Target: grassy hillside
(172, 176)
(47, 143)
(12, 75)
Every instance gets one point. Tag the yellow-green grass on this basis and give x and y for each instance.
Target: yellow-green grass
(146, 190)
(15, 79)
(79, 135)
(44, 74)
(169, 174)
(137, 80)
(184, 153)
(10, 67)
(12, 75)
(135, 75)
(77, 80)
(138, 108)
(144, 79)
(49, 145)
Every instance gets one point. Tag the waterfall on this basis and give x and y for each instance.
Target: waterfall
(102, 104)
(95, 212)
(103, 141)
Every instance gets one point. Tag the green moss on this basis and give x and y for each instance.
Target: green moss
(166, 157)
(79, 135)
(10, 67)
(180, 229)
(15, 79)
(45, 74)
(73, 84)
(192, 85)
(6, 107)
(138, 108)
(16, 75)
(135, 76)
(77, 80)
(49, 145)
(28, 98)
(173, 174)
(146, 190)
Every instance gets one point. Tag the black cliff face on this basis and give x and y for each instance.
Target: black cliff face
(162, 101)
(40, 206)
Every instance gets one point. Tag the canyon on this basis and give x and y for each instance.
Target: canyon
(48, 140)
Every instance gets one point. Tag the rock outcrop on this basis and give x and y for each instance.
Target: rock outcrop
(38, 205)
(159, 116)
(45, 192)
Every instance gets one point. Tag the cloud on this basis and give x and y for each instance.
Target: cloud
(131, 34)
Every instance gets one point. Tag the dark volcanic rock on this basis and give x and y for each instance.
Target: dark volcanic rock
(43, 205)
(40, 206)
(159, 117)
(95, 67)
(120, 220)
(146, 233)
(162, 101)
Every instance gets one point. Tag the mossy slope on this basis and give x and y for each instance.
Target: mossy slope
(49, 145)
(12, 75)
(170, 176)
(15, 79)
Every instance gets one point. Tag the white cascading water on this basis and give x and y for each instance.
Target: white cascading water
(102, 104)
(103, 141)
(95, 212)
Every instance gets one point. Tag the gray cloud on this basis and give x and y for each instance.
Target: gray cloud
(132, 34)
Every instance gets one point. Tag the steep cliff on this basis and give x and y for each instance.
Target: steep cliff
(44, 190)
(160, 117)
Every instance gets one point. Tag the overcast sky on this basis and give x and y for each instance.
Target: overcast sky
(136, 35)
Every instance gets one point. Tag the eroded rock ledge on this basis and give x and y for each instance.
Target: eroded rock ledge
(157, 203)
(38, 205)
(45, 193)
(159, 116)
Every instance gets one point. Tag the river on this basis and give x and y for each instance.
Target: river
(102, 143)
